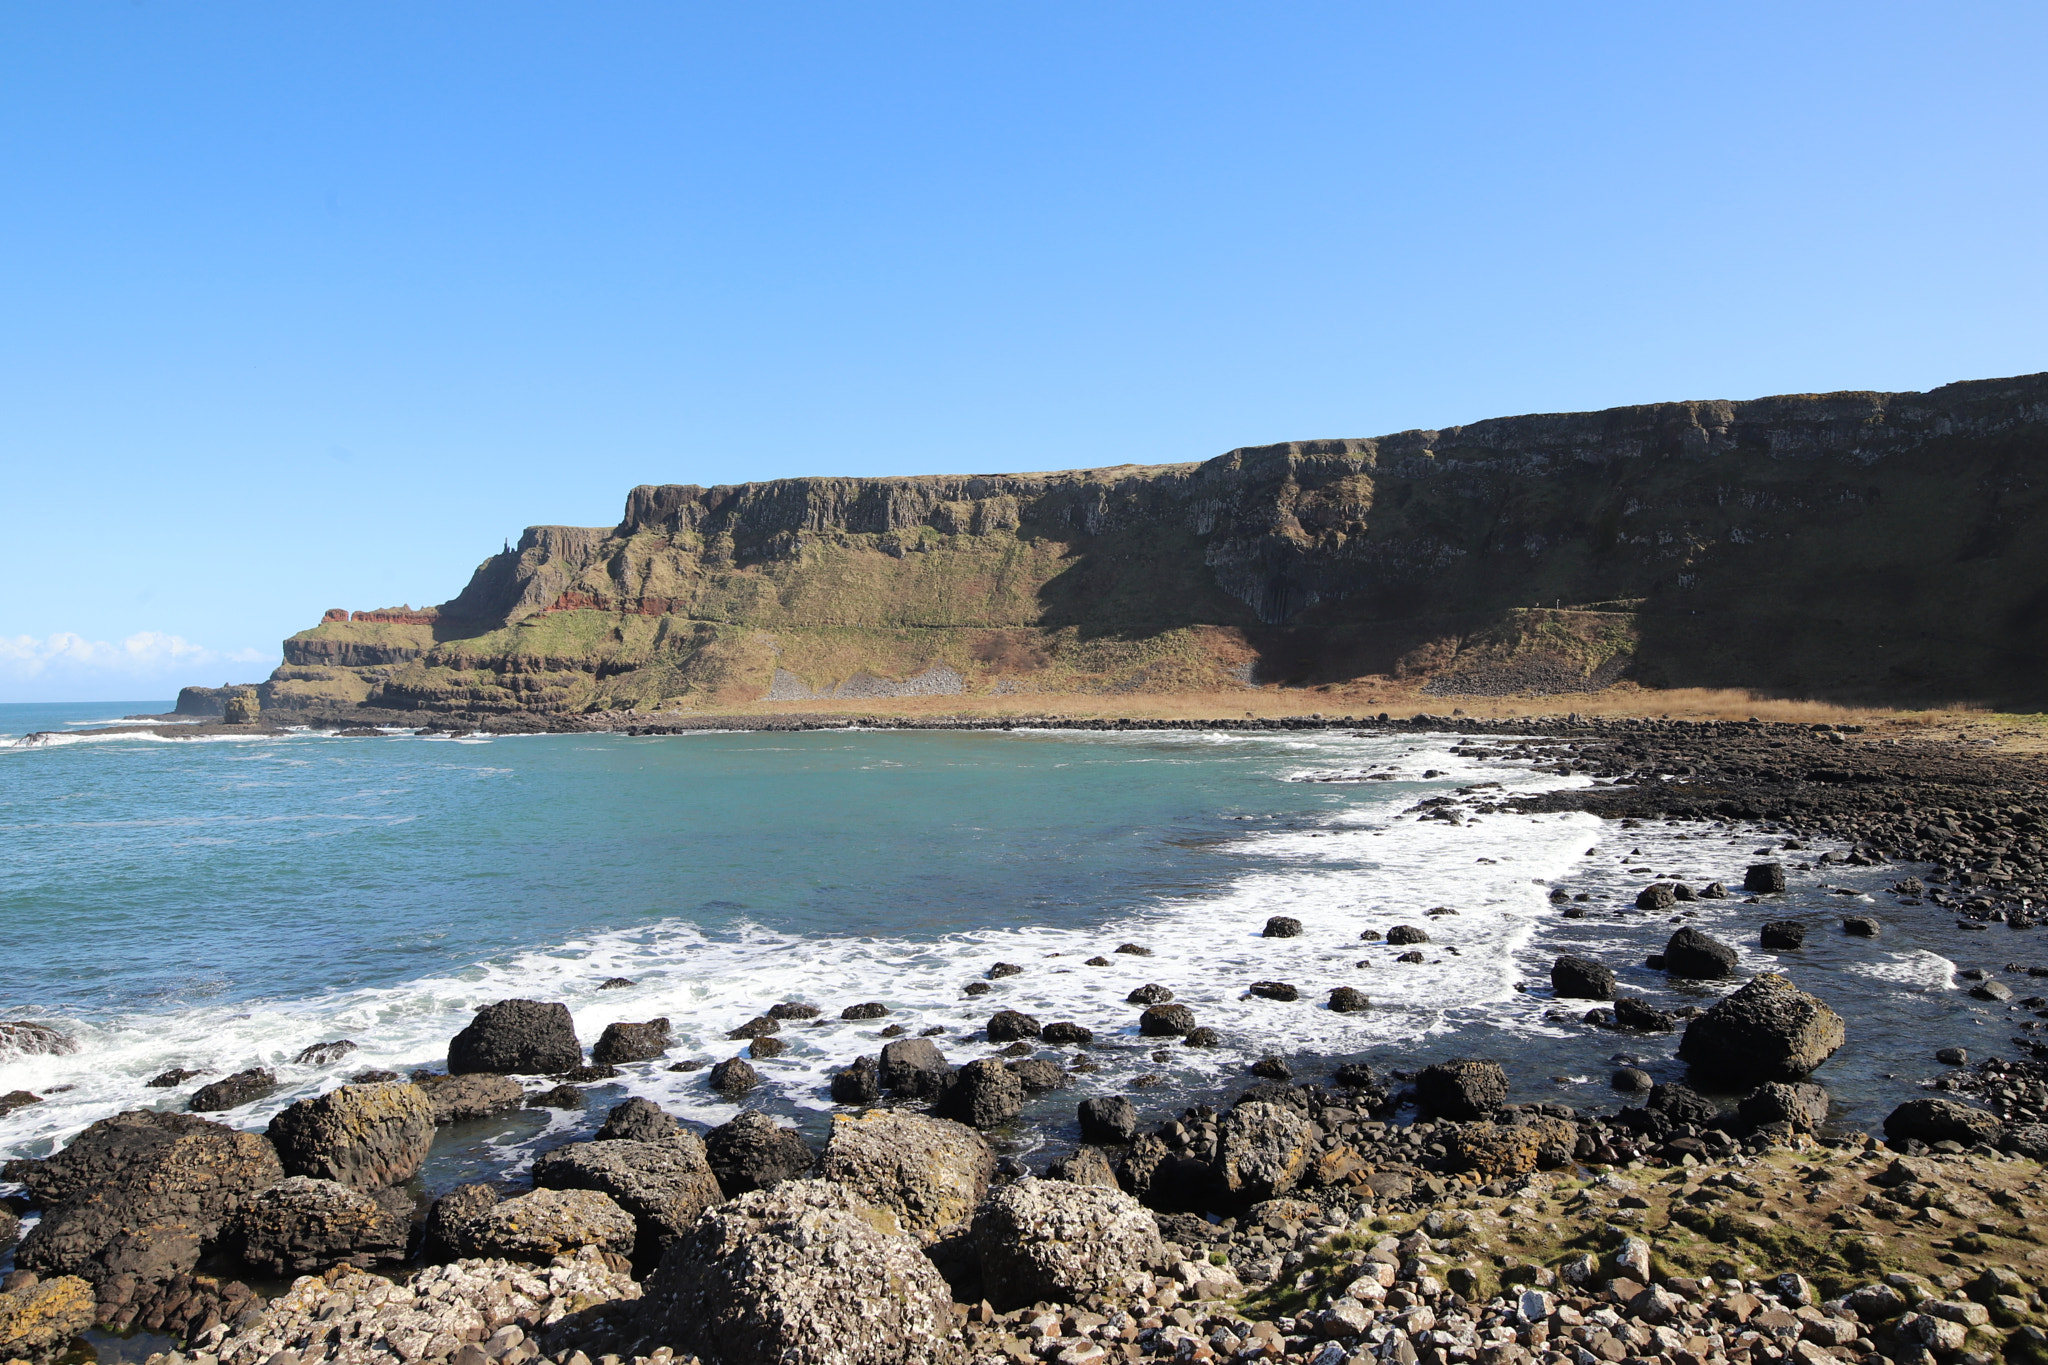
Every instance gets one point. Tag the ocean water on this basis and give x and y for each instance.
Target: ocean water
(220, 904)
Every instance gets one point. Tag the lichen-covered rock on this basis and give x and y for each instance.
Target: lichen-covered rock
(803, 1272)
(1770, 1030)
(38, 1323)
(350, 1316)
(1941, 1120)
(300, 1225)
(457, 1098)
(1464, 1088)
(754, 1152)
(1054, 1241)
(142, 1194)
(929, 1172)
(622, 1043)
(1263, 1150)
(1493, 1150)
(663, 1185)
(363, 1136)
(232, 1092)
(540, 1225)
(517, 1037)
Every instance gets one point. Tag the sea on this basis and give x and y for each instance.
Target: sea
(223, 903)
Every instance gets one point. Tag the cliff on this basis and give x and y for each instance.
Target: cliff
(1858, 546)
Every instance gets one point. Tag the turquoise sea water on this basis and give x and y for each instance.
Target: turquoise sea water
(221, 904)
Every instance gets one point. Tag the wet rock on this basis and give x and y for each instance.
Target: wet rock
(1860, 926)
(166, 1080)
(977, 988)
(1658, 896)
(1057, 1242)
(302, 1225)
(860, 1083)
(1007, 1026)
(762, 1048)
(362, 1136)
(1952, 1056)
(620, 1044)
(734, 1076)
(1713, 891)
(914, 1067)
(760, 1026)
(1263, 1150)
(1782, 934)
(1401, 935)
(1067, 1034)
(639, 1120)
(517, 1037)
(1166, 1021)
(1133, 950)
(1680, 1104)
(26, 1038)
(1634, 1013)
(1997, 992)
(1039, 1074)
(1764, 879)
(1274, 990)
(873, 1009)
(617, 983)
(1108, 1118)
(232, 1092)
(1690, 953)
(1086, 1166)
(547, 1223)
(802, 1272)
(1933, 1120)
(1273, 1068)
(662, 1185)
(457, 1098)
(929, 1172)
(37, 1323)
(1769, 1030)
(1003, 969)
(1355, 1076)
(983, 1094)
(1349, 1000)
(1464, 1088)
(1632, 1079)
(753, 1152)
(1203, 1037)
(793, 1009)
(141, 1193)
(17, 1099)
(1150, 994)
(1281, 926)
(324, 1054)
(1802, 1104)
(1581, 978)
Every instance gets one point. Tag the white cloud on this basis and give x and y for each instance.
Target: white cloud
(144, 652)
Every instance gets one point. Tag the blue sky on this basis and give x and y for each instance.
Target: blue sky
(314, 305)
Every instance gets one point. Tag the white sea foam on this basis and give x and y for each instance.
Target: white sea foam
(1919, 970)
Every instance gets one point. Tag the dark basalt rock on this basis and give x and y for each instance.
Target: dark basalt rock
(622, 1043)
(1860, 926)
(1997, 992)
(762, 1048)
(302, 1225)
(639, 1120)
(1409, 957)
(914, 1067)
(1356, 1076)
(792, 1009)
(558, 1097)
(1150, 994)
(325, 1054)
(1770, 1030)
(734, 1077)
(1657, 896)
(1633, 1080)
(977, 988)
(1349, 1000)
(1764, 879)
(517, 1037)
(1007, 1026)
(1064, 1033)
(454, 1215)
(167, 1080)
(873, 1009)
(1273, 1069)
(760, 1026)
(456, 1098)
(1633, 1012)
(1782, 934)
(17, 1099)
(1108, 1118)
(1039, 1074)
(1133, 950)
(617, 983)
(1281, 926)
(982, 1094)
(1714, 891)
(1274, 990)
(364, 1137)
(1464, 1088)
(1941, 1120)
(1166, 1021)
(1003, 969)
(1581, 978)
(1402, 935)
(1203, 1037)
(857, 1084)
(232, 1092)
(1691, 953)
(1682, 1105)
(1802, 1104)
(753, 1152)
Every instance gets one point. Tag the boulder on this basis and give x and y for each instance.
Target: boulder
(1997, 992)
(1058, 1242)
(1403, 935)
(1632, 1079)
(1039, 1074)
(1681, 1104)
(301, 1225)
(26, 1038)
(1281, 926)
(1166, 1021)
(1770, 1030)
(1166, 1179)
(1581, 978)
(363, 1136)
(793, 1009)
(1657, 897)
(914, 1067)
(1065, 1033)
(1263, 1150)
(734, 1076)
(1349, 1000)
(1781, 934)
(142, 1194)
(983, 1094)
(39, 1321)
(860, 1083)
(2022, 1139)
(1860, 926)
(1275, 990)
(1691, 953)
(1086, 1166)
(1008, 1026)
(1634, 1012)
(1802, 1104)
(1151, 993)
(623, 1043)
(540, 1226)
(929, 1172)
(517, 1037)
(324, 1054)
(873, 1009)
(802, 1272)
(1497, 1150)
(663, 1185)
(1464, 1088)
(754, 1152)
(1203, 1037)
(1941, 1120)
(1764, 879)
(760, 1026)
(454, 1215)
(232, 1092)
(1108, 1118)
(459, 1098)
(638, 1120)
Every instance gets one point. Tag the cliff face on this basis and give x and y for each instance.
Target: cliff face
(1855, 545)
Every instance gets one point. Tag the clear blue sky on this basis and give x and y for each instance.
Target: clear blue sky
(309, 305)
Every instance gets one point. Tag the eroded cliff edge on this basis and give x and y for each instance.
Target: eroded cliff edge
(1859, 546)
